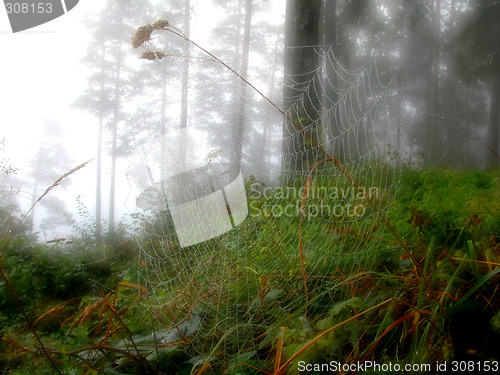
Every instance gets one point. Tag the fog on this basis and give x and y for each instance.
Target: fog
(249, 186)
(383, 80)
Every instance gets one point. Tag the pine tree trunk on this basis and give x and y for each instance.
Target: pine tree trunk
(301, 61)
(98, 199)
(451, 126)
(264, 150)
(237, 141)
(116, 114)
(494, 124)
(185, 68)
(432, 138)
(330, 96)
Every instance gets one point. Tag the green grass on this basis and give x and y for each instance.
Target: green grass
(420, 291)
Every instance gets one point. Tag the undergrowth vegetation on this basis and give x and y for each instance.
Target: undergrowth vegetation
(424, 291)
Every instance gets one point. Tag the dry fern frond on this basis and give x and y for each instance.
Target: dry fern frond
(54, 185)
(142, 35)
(161, 24)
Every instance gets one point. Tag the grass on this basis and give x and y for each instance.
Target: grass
(246, 303)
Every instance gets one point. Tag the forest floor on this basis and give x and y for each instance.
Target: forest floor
(417, 285)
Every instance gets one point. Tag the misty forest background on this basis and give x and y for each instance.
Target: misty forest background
(429, 255)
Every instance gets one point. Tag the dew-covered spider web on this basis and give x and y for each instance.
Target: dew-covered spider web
(232, 252)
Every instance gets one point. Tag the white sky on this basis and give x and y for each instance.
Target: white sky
(40, 77)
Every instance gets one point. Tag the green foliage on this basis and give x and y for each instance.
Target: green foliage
(452, 207)
(246, 306)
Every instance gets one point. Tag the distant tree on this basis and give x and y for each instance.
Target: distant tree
(185, 67)
(237, 141)
(48, 163)
(10, 213)
(97, 98)
(479, 59)
(330, 95)
(223, 99)
(111, 84)
(432, 146)
(6, 167)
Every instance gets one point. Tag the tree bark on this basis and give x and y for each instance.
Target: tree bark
(301, 61)
(237, 141)
(494, 124)
(185, 68)
(453, 150)
(98, 199)
(264, 149)
(114, 146)
(330, 96)
(432, 145)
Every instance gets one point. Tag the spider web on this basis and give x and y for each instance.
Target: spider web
(223, 300)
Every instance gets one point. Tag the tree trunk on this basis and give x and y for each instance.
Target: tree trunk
(185, 68)
(402, 76)
(98, 215)
(35, 193)
(492, 156)
(268, 123)
(237, 141)
(301, 61)
(453, 150)
(330, 96)
(432, 139)
(116, 115)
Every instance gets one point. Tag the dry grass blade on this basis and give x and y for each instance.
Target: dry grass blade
(55, 184)
(279, 349)
(282, 369)
(88, 312)
(476, 261)
(51, 313)
(387, 330)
